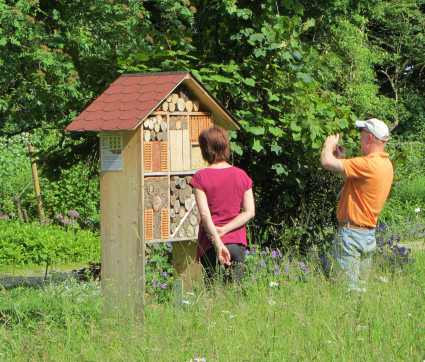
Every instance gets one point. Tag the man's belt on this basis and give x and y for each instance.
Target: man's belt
(352, 225)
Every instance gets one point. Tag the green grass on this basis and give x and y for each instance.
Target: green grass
(295, 320)
(33, 269)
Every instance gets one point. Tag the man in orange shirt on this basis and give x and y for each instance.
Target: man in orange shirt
(367, 185)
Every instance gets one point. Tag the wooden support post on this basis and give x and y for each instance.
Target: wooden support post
(36, 184)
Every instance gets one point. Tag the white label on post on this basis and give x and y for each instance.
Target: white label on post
(111, 152)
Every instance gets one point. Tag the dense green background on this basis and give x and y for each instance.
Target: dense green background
(292, 72)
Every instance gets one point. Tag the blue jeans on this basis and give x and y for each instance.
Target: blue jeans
(353, 249)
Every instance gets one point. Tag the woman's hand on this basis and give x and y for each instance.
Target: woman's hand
(223, 254)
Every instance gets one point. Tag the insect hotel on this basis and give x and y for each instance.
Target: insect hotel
(149, 126)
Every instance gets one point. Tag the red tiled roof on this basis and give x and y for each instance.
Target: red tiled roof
(127, 102)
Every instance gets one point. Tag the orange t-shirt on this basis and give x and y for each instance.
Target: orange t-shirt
(366, 188)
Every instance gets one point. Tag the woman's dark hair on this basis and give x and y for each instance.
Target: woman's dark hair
(215, 146)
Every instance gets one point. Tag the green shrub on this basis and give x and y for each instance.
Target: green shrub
(411, 191)
(26, 244)
(15, 171)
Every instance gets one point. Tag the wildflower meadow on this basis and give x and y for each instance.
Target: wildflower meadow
(288, 307)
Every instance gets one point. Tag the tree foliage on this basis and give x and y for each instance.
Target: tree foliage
(292, 72)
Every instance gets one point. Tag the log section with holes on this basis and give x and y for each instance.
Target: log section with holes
(185, 214)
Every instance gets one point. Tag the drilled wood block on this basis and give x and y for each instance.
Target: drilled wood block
(165, 224)
(164, 157)
(148, 224)
(147, 156)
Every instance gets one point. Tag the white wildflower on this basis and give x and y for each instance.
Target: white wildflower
(273, 284)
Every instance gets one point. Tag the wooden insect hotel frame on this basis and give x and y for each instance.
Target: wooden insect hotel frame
(149, 126)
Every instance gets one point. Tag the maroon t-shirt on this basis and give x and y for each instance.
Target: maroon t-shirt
(224, 188)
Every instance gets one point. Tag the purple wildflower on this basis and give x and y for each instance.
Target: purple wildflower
(247, 252)
(73, 213)
(65, 221)
(267, 249)
(274, 254)
(163, 286)
(169, 244)
(155, 284)
(4, 217)
(276, 271)
(12, 214)
(252, 276)
(303, 267)
(165, 274)
(262, 263)
(253, 251)
(280, 255)
(58, 217)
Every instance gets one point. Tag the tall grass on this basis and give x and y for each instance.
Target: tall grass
(287, 319)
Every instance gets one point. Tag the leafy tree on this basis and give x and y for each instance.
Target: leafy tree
(285, 113)
(58, 56)
(372, 52)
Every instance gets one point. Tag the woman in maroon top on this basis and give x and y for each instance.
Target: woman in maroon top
(226, 203)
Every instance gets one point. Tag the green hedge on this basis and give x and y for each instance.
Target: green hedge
(23, 244)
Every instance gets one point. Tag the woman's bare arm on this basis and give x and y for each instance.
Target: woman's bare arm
(201, 200)
(248, 212)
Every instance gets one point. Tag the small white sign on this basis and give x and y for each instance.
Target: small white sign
(111, 152)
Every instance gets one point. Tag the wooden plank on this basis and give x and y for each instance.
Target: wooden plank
(165, 223)
(173, 153)
(156, 156)
(187, 269)
(121, 225)
(186, 149)
(164, 156)
(147, 156)
(176, 150)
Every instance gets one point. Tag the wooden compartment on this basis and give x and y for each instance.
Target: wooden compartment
(184, 213)
(156, 197)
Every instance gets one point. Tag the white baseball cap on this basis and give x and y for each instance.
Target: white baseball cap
(378, 128)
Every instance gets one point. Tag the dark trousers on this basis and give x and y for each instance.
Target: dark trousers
(230, 273)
